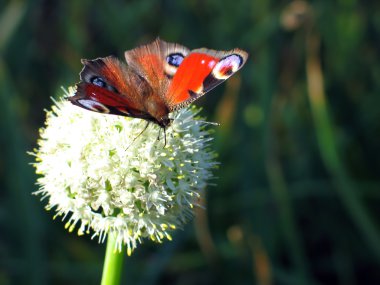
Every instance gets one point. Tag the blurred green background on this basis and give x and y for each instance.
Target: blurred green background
(297, 197)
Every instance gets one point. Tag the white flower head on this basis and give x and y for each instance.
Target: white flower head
(101, 175)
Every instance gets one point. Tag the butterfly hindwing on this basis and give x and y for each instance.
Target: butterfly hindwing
(202, 70)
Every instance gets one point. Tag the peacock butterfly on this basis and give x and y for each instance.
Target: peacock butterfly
(158, 78)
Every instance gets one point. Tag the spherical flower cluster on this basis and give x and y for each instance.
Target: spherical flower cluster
(105, 174)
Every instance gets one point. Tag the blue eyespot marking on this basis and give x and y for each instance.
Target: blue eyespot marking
(175, 59)
(98, 81)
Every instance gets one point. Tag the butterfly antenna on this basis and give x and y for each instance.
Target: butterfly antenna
(159, 134)
(146, 126)
(164, 137)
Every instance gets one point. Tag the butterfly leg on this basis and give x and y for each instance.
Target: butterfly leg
(164, 137)
(159, 135)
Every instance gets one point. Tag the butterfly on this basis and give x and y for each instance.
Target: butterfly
(157, 78)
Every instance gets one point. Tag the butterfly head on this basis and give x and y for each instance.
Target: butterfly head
(164, 122)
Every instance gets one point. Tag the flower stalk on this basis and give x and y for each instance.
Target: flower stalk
(113, 263)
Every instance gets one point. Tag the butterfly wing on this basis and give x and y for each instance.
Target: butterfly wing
(160, 77)
(109, 86)
(202, 70)
(157, 63)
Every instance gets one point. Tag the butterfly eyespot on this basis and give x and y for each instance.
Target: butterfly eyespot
(98, 81)
(93, 106)
(227, 66)
(113, 89)
(175, 59)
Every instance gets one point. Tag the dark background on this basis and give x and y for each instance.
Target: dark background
(297, 199)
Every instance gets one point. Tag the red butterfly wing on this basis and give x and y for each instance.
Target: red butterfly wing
(201, 71)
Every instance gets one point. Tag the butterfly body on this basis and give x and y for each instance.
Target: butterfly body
(156, 79)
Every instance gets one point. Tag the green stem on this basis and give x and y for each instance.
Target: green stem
(113, 263)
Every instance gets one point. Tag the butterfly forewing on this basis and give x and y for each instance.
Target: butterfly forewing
(201, 71)
(157, 62)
